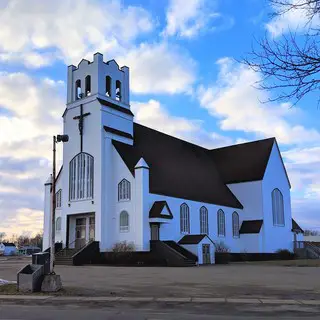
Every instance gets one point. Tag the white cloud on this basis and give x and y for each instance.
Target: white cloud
(159, 68)
(295, 20)
(42, 31)
(154, 115)
(236, 102)
(33, 110)
(188, 18)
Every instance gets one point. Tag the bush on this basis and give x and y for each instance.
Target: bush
(123, 247)
(285, 254)
(221, 247)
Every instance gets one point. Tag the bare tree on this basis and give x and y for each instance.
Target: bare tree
(2, 236)
(290, 66)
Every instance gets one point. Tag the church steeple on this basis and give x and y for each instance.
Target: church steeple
(103, 79)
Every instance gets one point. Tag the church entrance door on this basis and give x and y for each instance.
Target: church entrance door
(80, 233)
(155, 231)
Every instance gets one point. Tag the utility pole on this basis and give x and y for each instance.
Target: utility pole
(59, 138)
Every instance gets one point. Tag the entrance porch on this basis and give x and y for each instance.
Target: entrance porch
(80, 230)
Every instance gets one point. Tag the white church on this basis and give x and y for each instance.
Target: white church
(122, 181)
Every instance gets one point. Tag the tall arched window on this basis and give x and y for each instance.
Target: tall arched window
(88, 85)
(124, 192)
(277, 208)
(58, 224)
(204, 224)
(221, 223)
(184, 218)
(235, 225)
(108, 86)
(124, 221)
(58, 198)
(118, 90)
(78, 89)
(81, 177)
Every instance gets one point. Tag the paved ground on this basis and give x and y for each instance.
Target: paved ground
(155, 312)
(236, 280)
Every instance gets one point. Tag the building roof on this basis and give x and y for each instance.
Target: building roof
(243, 162)
(193, 238)
(250, 226)
(156, 209)
(296, 227)
(8, 244)
(177, 168)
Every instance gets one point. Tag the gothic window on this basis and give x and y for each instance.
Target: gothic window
(204, 224)
(184, 218)
(124, 192)
(81, 177)
(277, 208)
(58, 198)
(118, 90)
(124, 221)
(221, 223)
(58, 224)
(88, 85)
(108, 86)
(78, 89)
(235, 225)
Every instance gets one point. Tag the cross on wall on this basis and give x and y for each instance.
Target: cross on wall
(81, 117)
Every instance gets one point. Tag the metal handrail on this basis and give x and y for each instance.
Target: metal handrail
(63, 252)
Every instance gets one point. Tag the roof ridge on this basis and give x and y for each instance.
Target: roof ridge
(244, 143)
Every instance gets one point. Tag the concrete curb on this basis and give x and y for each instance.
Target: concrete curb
(78, 299)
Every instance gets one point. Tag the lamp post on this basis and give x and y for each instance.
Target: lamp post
(56, 139)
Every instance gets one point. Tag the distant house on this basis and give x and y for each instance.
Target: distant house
(8, 249)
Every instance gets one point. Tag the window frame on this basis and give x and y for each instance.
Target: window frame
(235, 226)
(124, 228)
(184, 219)
(81, 177)
(124, 189)
(58, 224)
(59, 199)
(277, 203)
(221, 222)
(204, 220)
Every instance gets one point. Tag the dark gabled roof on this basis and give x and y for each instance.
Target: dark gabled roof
(250, 226)
(243, 162)
(296, 227)
(156, 209)
(8, 244)
(193, 238)
(177, 168)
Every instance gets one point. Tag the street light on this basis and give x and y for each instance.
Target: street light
(58, 138)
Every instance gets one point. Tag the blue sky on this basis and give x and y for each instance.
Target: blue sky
(185, 80)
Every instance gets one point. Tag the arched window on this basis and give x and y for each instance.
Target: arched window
(58, 224)
(204, 224)
(78, 89)
(81, 177)
(221, 223)
(58, 198)
(118, 90)
(184, 218)
(124, 221)
(88, 86)
(124, 192)
(235, 225)
(108, 86)
(277, 208)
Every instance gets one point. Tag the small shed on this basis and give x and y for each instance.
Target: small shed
(8, 249)
(200, 245)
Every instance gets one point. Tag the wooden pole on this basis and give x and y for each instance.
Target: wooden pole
(53, 206)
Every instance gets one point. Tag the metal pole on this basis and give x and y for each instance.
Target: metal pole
(53, 206)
